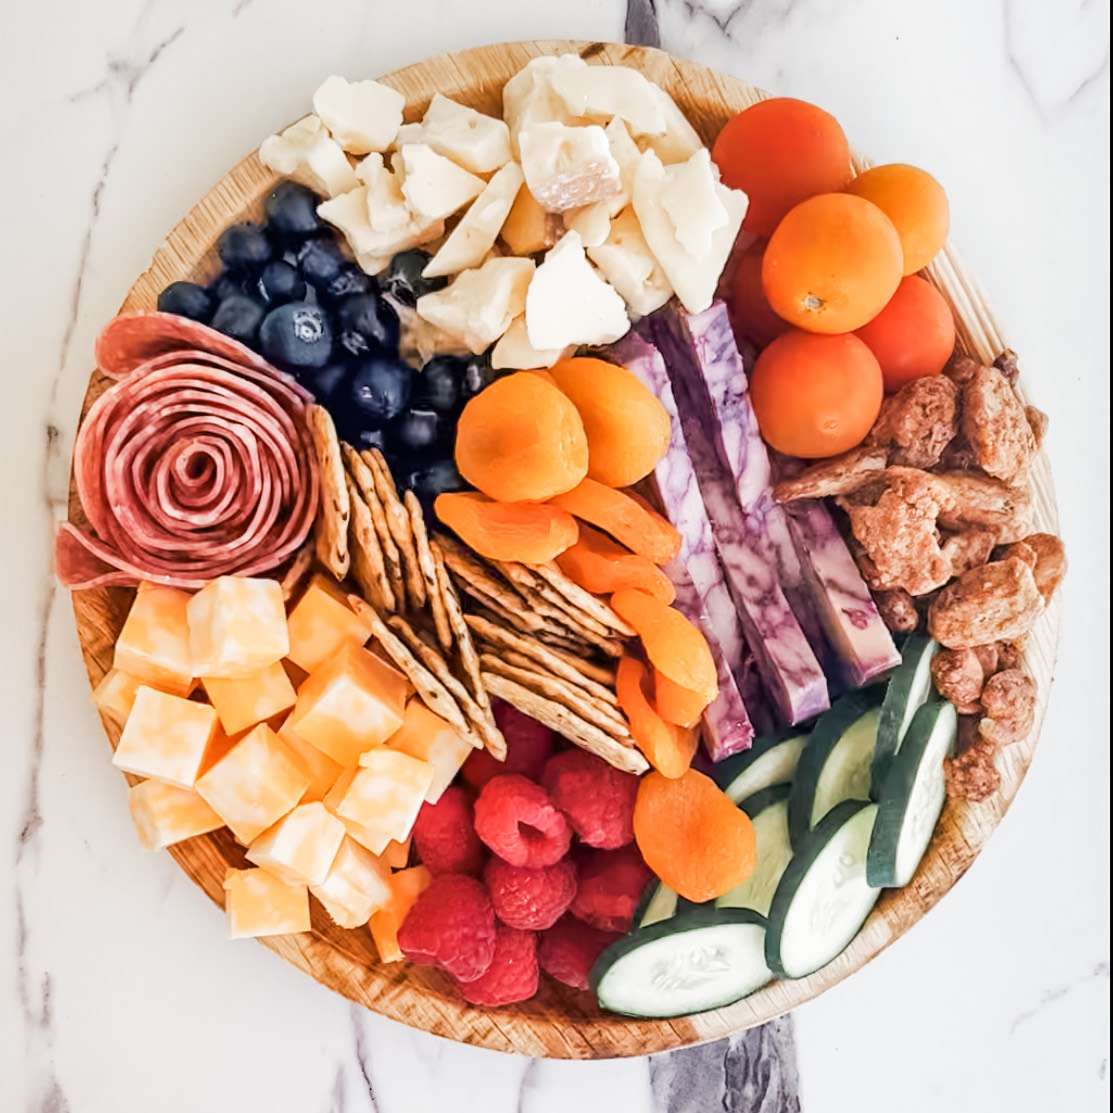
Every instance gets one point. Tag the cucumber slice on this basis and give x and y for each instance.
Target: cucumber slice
(768, 810)
(823, 898)
(658, 903)
(703, 959)
(909, 689)
(835, 764)
(912, 796)
(769, 761)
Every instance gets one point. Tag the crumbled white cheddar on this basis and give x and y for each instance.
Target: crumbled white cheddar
(305, 150)
(349, 213)
(628, 265)
(691, 199)
(472, 140)
(610, 91)
(435, 186)
(593, 222)
(363, 116)
(566, 167)
(680, 140)
(475, 235)
(386, 207)
(568, 303)
(478, 306)
(693, 277)
(515, 352)
(528, 97)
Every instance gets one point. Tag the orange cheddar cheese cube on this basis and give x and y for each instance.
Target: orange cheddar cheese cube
(323, 771)
(397, 854)
(237, 626)
(321, 623)
(165, 814)
(259, 903)
(405, 887)
(254, 784)
(165, 737)
(382, 798)
(115, 694)
(244, 701)
(428, 737)
(350, 703)
(154, 643)
(356, 885)
(301, 845)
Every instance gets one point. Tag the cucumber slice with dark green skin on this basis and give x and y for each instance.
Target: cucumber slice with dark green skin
(835, 764)
(769, 761)
(823, 898)
(912, 796)
(768, 810)
(703, 959)
(909, 688)
(657, 903)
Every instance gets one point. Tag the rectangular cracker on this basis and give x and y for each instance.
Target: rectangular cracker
(603, 694)
(428, 570)
(365, 481)
(591, 670)
(581, 599)
(366, 556)
(398, 522)
(296, 571)
(330, 532)
(465, 647)
(467, 568)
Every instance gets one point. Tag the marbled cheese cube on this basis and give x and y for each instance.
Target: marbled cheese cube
(323, 771)
(356, 886)
(165, 814)
(428, 737)
(350, 703)
(301, 845)
(321, 623)
(405, 887)
(258, 903)
(115, 694)
(397, 854)
(247, 700)
(382, 797)
(254, 784)
(154, 643)
(237, 626)
(165, 737)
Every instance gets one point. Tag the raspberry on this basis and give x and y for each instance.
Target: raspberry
(451, 925)
(445, 834)
(528, 746)
(611, 883)
(519, 822)
(530, 900)
(512, 975)
(569, 949)
(596, 798)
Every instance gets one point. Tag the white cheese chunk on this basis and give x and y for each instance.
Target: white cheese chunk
(693, 277)
(435, 186)
(478, 305)
(566, 167)
(386, 206)
(568, 303)
(350, 213)
(363, 116)
(515, 352)
(593, 222)
(610, 91)
(691, 199)
(680, 140)
(475, 235)
(372, 264)
(528, 97)
(476, 142)
(628, 265)
(306, 151)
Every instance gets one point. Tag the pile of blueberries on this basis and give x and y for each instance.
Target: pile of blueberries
(288, 290)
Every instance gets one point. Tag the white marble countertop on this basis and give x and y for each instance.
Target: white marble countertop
(118, 991)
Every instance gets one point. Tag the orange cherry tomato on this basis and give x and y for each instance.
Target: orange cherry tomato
(913, 335)
(916, 204)
(781, 152)
(750, 312)
(815, 396)
(832, 264)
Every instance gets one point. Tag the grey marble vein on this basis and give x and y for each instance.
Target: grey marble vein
(363, 1058)
(1049, 997)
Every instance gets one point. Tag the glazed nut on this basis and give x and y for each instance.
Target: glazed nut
(898, 610)
(918, 422)
(995, 425)
(959, 677)
(1010, 697)
(972, 774)
(1045, 555)
(997, 602)
(961, 369)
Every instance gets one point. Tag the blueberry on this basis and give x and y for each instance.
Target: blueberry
(437, 386)
(403, 277)
(477, 375)
(326, 382)
(243, 247)
(351, 280)
(292, 210)
(228, 285)
(365, 322)
(416, 431)
(296, 336)
(380, 390)
(238, 316)
(320, 260)
(434, 478)
(187, 299)
(361, 439)
(280, 283)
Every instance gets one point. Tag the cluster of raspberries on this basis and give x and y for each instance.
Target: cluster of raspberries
(534, 867)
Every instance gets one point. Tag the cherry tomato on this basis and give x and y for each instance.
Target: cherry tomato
(750, 312)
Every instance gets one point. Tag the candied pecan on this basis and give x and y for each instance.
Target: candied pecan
(961, 369)
(1019, 549)
(969, 549)
(1037, 422)
(840, 475)
(898, 610)
(958, 456)
(995, 426)
(959, 677)
(918, 422)
(974, 500)
(1010, 654)
(1044, 554)
(989, 656)
(996, 602)
(1010, 697)
(1008, 364)
(972, 773)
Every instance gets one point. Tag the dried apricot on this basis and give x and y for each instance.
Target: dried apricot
(668, 748)
(676, 704)
(602, 566)
(673, 645)
(627, 519)
(692, 836)
(627, 427)
(521, 438)
(530, 532)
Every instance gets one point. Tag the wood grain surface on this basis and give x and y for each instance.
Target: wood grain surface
(558, 1022)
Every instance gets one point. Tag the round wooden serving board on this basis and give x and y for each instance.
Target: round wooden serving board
(558, 1022)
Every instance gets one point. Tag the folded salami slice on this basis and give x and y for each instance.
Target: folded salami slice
(193, 466)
